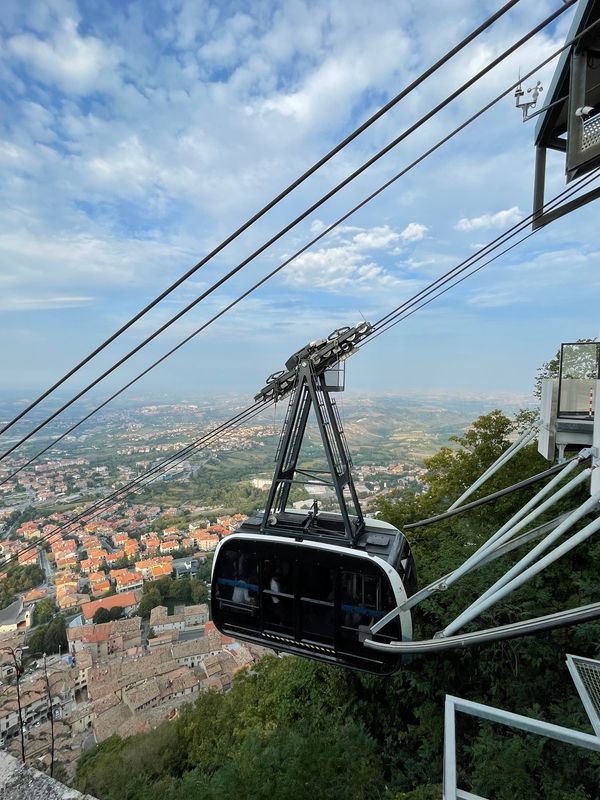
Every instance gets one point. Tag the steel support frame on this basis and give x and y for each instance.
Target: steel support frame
(515, 630)
(541, 217)
(503, 459)
(530, 511)
(516, 523)
(499, 541)
(525, 538)
(584, 696)
(311, 391)
(527, 567)
(500, 717)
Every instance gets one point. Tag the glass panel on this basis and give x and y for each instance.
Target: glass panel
(278, 613)
(360, 605)
(226, 576)
(278, 574)
(317, 592)
(317, 621)
(392, 630)
(317, 582)
(278, 593)
(237, 588)
(238, 578)
(578, 376)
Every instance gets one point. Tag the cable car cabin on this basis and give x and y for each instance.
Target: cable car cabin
(314, 595)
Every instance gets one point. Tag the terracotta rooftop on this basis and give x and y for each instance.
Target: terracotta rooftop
(124, 599)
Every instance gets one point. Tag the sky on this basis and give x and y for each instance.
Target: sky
(135, 136)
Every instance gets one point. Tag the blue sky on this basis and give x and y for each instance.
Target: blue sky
(134, 136)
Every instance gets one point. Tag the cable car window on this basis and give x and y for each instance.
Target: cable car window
(278, 594)
(237, 588)
(317, 582)
(226, 580)
(360, 605)
(245, 590)
(317, 596)
(297, 598)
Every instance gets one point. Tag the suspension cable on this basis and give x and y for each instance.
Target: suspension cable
(290, 188)
(409, 307)
(185, 452)
(307, 212)
(565, 194)
(285, 263)
(491, 498)
(101, 506)
(119, 495)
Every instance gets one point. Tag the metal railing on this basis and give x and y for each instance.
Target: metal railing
(500, 717)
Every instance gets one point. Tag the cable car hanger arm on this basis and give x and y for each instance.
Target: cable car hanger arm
(515, 630)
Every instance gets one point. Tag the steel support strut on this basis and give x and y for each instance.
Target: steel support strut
(311, 391)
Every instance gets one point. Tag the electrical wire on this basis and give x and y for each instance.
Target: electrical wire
(290, 188)
(287, 261)
(307, 212)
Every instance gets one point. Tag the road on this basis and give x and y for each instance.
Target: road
(48, 571)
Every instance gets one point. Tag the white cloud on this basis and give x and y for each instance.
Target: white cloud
(496, 298)
(41, 303)
(378, 238)
(349, 265)
(42, 260)
(501, 219)
(76, 63)
(413, 232)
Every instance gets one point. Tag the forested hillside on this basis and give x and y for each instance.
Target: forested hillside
(293, 729)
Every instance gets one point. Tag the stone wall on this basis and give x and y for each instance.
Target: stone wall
(19, 782)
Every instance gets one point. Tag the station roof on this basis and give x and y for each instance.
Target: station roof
(553, 122)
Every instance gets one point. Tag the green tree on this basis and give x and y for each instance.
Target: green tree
(50, 638)
(199, 592)
(163, 586)
(35, 643)
(292, 763)
(276, 733)
(205, 567)
(181, 590)
(44, 611)
(101, 615)
(150, 599)
(55, 637)
(19, 579)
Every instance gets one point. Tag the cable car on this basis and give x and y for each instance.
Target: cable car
(313, 598)
(313, 583)
(340, 588)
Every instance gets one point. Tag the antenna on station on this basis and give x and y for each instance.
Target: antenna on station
(534, 91)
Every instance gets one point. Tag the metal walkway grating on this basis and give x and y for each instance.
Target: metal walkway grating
(586, 677)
